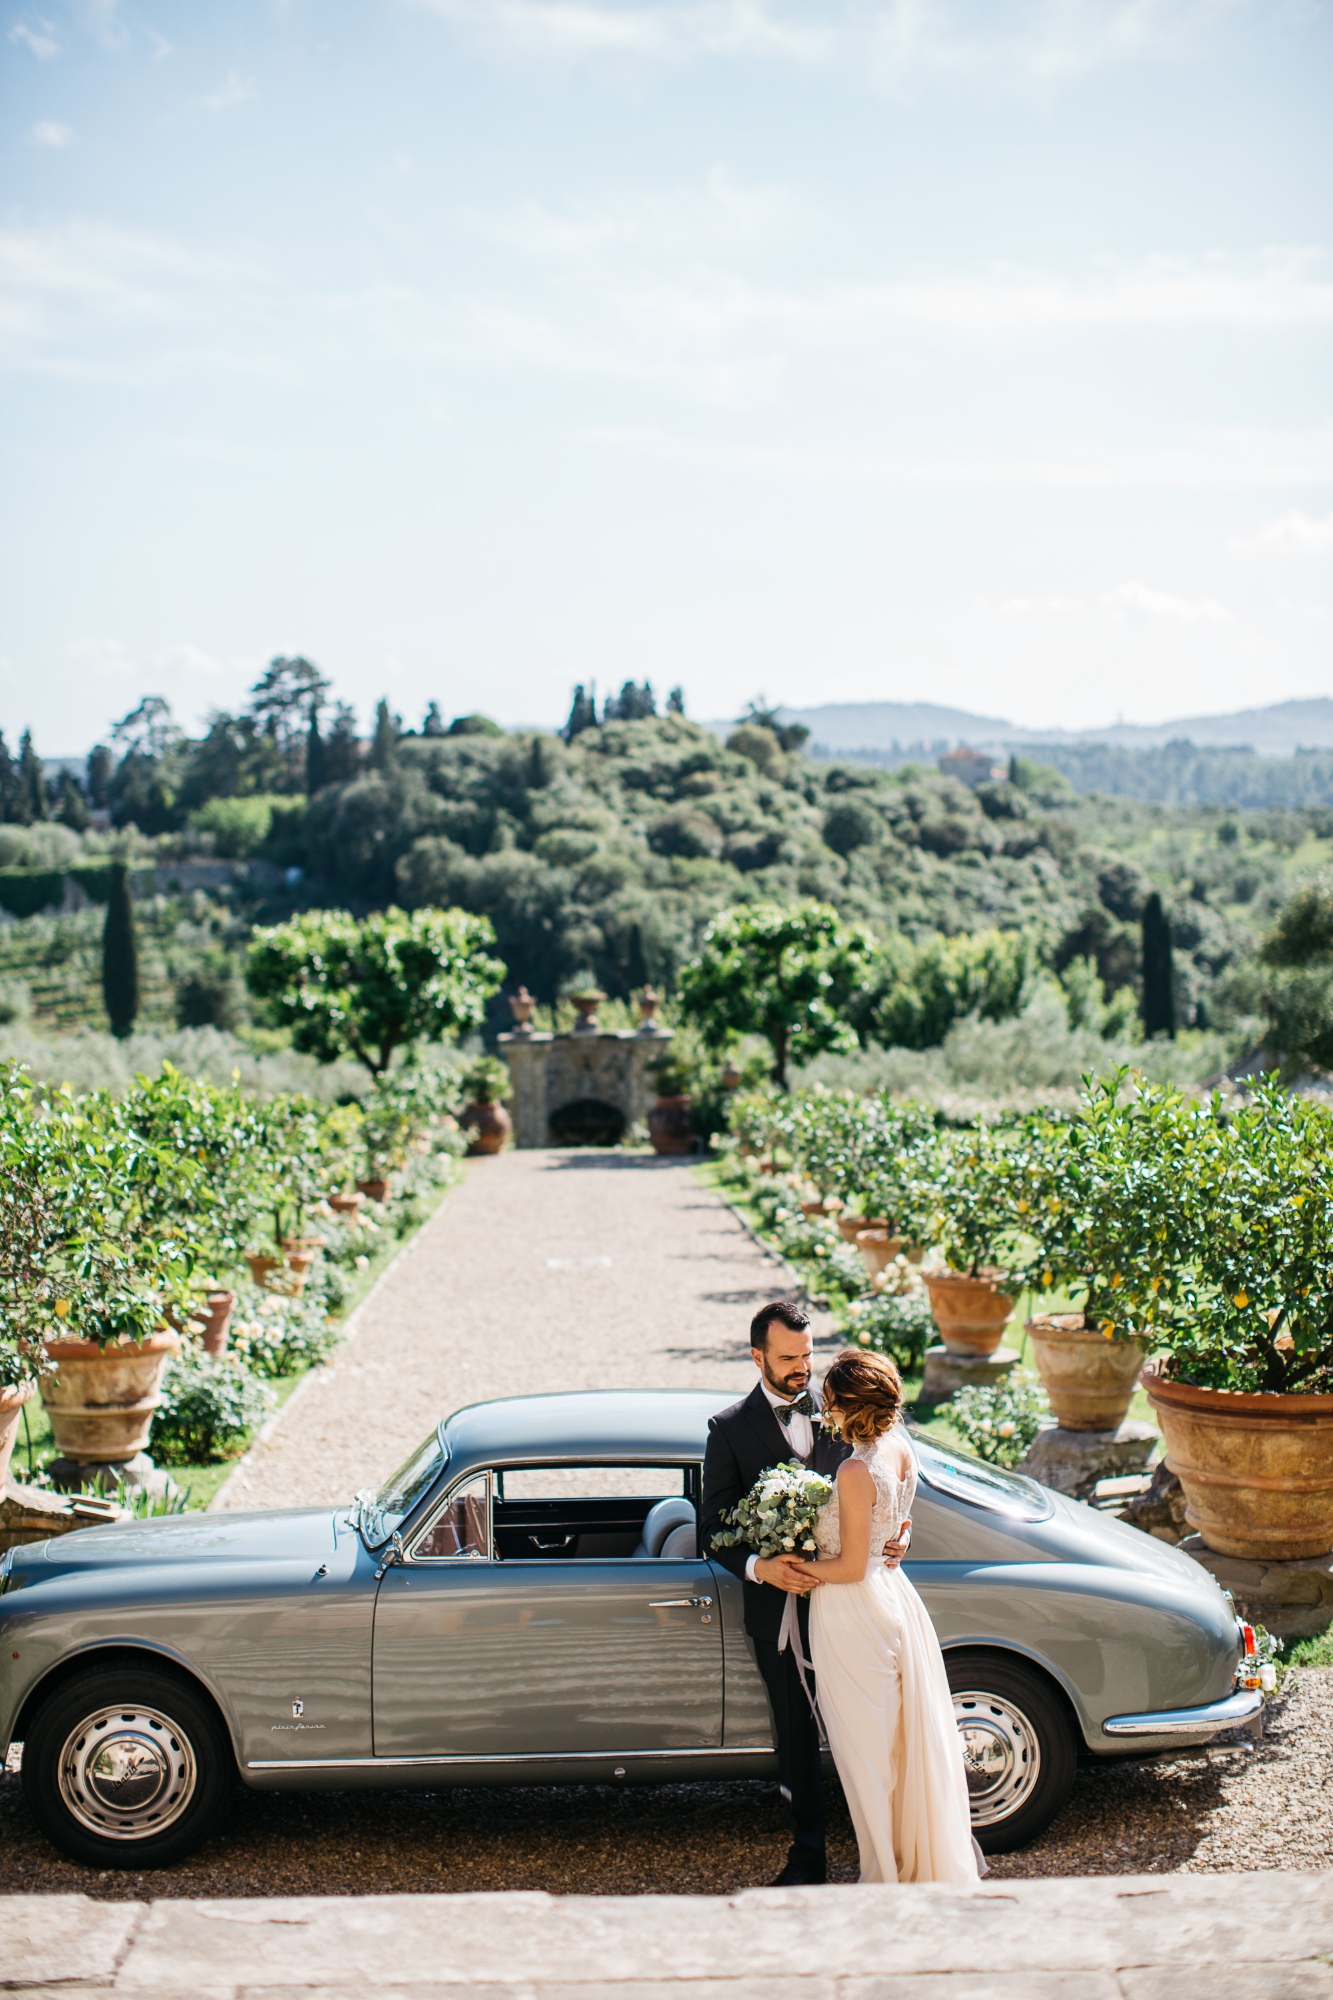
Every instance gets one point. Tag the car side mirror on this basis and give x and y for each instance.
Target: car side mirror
(395, 1553)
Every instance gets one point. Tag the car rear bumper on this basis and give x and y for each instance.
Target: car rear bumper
(1189, 1725)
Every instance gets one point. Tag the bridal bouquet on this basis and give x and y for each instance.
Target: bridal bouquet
(777, 1515)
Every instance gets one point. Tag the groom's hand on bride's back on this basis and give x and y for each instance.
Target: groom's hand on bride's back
(895, 1551)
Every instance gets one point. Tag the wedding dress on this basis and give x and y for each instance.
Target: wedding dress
(885, 1701)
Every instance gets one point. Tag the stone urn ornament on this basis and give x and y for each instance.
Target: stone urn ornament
(649, 1002)
(521, 1006)
(585, 1006)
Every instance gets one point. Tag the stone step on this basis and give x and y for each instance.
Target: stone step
(1264, 1936)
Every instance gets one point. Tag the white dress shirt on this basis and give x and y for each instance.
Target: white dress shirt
(800, 1429)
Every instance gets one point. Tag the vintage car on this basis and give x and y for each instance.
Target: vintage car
(523, 1602)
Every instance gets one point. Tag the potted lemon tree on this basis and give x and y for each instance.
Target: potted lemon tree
(1244, 1388)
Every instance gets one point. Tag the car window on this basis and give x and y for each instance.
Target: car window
(383, 1512)
(963, 1477)
(589, 1482)
(461, 1528)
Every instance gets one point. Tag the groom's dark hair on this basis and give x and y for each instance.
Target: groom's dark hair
(793, 1317)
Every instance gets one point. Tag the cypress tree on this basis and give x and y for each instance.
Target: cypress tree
(1158, 1005)
(316, 756)
(384, 743)
(31, 782)
(8, 782)
(120, 955)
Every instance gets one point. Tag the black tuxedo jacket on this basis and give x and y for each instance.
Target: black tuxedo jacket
(743, 1442)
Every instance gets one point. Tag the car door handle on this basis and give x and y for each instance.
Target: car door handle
(684, 1603)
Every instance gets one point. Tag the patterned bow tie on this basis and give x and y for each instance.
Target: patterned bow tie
(804, 1406)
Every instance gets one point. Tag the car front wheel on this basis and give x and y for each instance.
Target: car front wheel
(127, 1768)
(1018, 1747)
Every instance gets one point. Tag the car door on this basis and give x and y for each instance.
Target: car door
(478, 1657)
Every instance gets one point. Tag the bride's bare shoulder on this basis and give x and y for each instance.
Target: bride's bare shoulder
(854, 1473)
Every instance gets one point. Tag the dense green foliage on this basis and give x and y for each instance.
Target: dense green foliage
(370, 987)
(792, 973)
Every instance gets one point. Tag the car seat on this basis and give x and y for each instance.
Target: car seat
(664, 1518)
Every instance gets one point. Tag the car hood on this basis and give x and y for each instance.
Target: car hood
(1120, 1546)
(277, 1535)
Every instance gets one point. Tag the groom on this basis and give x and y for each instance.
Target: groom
(777, 1421)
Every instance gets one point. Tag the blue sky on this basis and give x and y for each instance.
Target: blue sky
(964, 350)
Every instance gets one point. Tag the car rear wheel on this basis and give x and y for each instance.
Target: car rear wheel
(1018, 1747)
(127, 1768)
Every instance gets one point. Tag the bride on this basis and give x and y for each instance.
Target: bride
(883, 1692)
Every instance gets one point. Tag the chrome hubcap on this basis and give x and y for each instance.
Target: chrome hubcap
(1001, 1755)
(127, 1773)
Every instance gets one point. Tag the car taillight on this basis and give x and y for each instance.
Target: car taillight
(1248, 1668)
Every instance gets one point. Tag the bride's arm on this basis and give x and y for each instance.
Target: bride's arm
(856, 1498)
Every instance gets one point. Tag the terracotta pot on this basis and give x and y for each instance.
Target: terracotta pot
(850, 1226)
(101, 1400)
(298, 1257)
(262, 1266)
(489, 1126)
(346, 1204)
(11, 1409)
(669, 1125)
(971, 1313)
(375, 1189)
(217, 1320)
(878, 1248)
(1089, 1379)
(1257, 1471)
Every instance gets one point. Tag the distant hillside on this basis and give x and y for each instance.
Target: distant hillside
(901, 727)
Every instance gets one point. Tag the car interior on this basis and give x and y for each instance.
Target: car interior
(607, 1511)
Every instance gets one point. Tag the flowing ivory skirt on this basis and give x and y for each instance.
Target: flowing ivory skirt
(884, 1697)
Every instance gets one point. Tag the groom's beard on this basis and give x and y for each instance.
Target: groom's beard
(788, 1386)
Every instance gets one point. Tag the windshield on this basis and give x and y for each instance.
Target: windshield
(378, 1514)
(963, 1477)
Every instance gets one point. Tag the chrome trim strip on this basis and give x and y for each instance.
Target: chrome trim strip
(1189, 1724)
(536, 1757)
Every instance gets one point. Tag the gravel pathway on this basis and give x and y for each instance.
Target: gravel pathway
(543, 1271)
(1227, 1810)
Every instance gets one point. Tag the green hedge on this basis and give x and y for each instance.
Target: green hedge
(26, 892)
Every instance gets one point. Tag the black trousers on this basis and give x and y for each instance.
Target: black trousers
(796, 1733)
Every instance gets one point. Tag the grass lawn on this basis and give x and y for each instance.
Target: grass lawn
(35, 1446)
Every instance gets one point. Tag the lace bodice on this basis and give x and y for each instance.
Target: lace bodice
(894, 1493)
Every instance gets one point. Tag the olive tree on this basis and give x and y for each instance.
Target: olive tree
(366, 987)
(788, 972)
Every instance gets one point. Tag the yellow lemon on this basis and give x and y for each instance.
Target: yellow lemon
(62, 1308)
(1241, 1299)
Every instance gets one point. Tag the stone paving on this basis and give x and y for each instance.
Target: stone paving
(543, 1271)
(1245, 1937)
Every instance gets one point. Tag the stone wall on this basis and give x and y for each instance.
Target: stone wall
(549, 1071)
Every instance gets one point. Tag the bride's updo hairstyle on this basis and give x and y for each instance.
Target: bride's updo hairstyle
(868, 1392)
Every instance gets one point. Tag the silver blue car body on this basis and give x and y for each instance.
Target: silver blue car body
(475, 1638)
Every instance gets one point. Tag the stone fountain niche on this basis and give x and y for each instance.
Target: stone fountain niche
(583, 1088)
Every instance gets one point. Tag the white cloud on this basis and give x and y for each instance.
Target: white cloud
(660, 31)
(1205, 462)
(38, 37)
(79, 298)
(665, 287)
(1040, 41)
(1303, 533)
(46, 132)
(1137, 600)
(237, 89)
